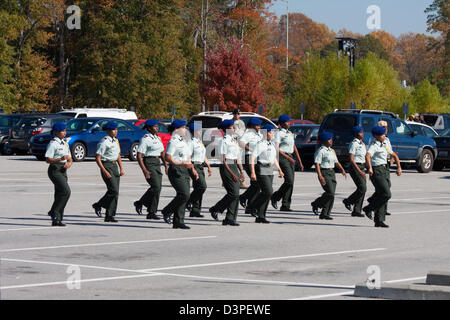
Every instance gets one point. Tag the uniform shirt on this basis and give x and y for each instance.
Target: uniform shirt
(265, 152)
(151, 145)
(358, 149)
(108, 148)
(239, 128)
(178, 148)
(229, 147)
(326, 157)
(379, 152)
(286, 140)
(251, 137)
(386, 140)
(198, 150)
(56, 149)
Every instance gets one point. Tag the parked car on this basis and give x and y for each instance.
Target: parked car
(84, 134)
(443, 144)
(306, 141)
(439, 122)
(410, 147)
(99, 112)
(163, 131)
(422, 129)
(29, 126)
(210, 121)
(7, 122)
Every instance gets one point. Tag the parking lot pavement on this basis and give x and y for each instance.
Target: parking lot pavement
(297, 256)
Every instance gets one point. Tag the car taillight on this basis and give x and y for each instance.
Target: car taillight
(10, 132)
(36, 131)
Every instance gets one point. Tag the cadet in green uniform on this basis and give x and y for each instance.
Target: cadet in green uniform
(262, 162)
(248, 142)
(230, 171)
(198, 157)
(357, 154)
(325, 160)
(58, 156)
(390, 159)
(285, 141)
(376, 158)
(150, 151)
(107, 158)
(178, 156)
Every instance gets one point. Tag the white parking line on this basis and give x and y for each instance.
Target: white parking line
(260, 260)
(37, 228)
(104, 244)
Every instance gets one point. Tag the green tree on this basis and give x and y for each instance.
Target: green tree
(426, 98)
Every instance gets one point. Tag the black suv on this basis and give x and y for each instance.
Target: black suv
(31, 125)
(7, 122)
(410, 147)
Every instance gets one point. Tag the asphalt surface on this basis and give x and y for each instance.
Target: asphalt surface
(297, 256)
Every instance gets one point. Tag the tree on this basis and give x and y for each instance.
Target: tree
(232, 81)
(426, 98)
(371, 44)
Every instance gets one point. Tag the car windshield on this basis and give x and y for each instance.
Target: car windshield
(247, 119)
(79, 124)
(207, 122)
(430, 119)
(301, 133)
(31, 122)
(340, 123)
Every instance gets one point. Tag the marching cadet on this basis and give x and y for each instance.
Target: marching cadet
(248, 142)
(390, 159)
(285, 142)
(58, 156)
(150, 151)
(376, 159)
(262, 162)
(107, 158)
(231, 173)
(239, 130)
(178, 156)
(357, 154)
(325, 161)
(198, 157)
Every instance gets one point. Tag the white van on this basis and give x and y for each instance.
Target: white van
(123, 114)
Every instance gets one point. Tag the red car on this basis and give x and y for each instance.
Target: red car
(163, 133)
(294, 122)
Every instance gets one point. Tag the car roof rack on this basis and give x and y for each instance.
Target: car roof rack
(388, 113)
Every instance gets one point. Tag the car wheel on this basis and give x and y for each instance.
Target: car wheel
(438, 166)
(6, 149)
(133, 152)
(78, 152)
(40, 158)
(426, 162)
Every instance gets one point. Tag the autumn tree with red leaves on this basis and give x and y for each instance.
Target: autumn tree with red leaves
(231, 79)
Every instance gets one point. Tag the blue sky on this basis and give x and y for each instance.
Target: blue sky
(397, 16)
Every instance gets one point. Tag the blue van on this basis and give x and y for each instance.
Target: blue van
(410, 147)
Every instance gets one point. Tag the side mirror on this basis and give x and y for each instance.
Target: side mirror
(414, 133)
(96, 129)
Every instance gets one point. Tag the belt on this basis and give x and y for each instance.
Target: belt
(152, 157)
(360, 164)
(113, 162)
(266, 165)
(326, 169)
(197, 162)
(381, 165)
(231, 160)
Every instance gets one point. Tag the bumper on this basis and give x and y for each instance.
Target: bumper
(19, 144)
(38, 150)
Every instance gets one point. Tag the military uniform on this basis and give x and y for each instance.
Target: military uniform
(327, 159)
(358, 149)
(265, 155)
(198, 152)
(230, 148)
(56, 149)
(178, 148)
(250, 138)
(286, 141)
(379, 154)
(239, 128)
(151, 147)
(109, 150)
